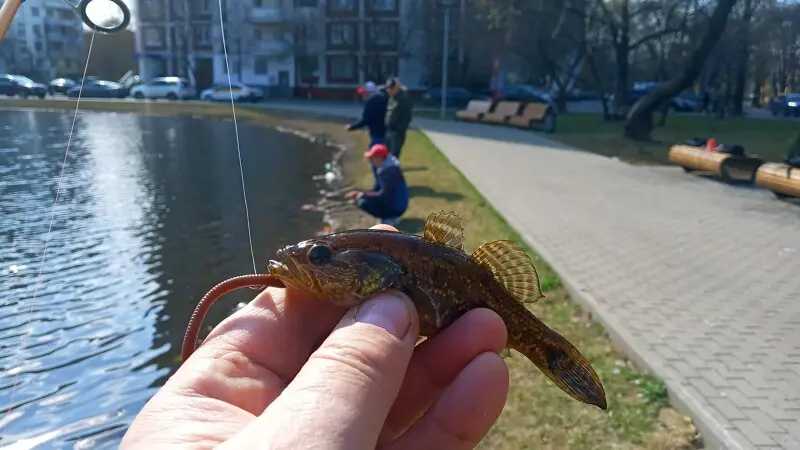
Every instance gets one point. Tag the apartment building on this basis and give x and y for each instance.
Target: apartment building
(355, 41)
(184, 38)
(309, 48)
(44, 41)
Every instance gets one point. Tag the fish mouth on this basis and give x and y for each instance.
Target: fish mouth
(279, 265)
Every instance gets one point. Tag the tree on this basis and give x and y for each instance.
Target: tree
(238, 34)
(639, 125)
(307, 30)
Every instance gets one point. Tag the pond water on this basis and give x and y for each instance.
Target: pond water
(150, 216)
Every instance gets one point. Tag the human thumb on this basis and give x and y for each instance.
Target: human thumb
(342, 395)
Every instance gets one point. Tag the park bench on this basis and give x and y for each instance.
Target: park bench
(722, 164)
(535, 114)
(782, 179)
(475, 110)
(502, 112)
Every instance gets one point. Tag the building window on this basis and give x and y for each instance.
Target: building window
(260, 65)
(307, 69)
(342, 5)
(342, 34)
(379, 68)
(38, 46)
(203, 35)
(204, 6)
(342, 68)
(258, 3)
(307, 3)
(383, 5)
(152, 37)
(382, 34)
(35, 11)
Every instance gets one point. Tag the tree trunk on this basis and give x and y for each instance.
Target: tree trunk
(640, 119)
(742, 59)
(622, 48)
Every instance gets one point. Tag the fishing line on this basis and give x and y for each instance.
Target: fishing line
(47, 236)
(236, 129)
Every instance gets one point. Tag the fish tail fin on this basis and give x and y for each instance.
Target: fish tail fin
(563, 364)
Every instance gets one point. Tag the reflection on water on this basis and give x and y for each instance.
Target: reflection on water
(150, 216)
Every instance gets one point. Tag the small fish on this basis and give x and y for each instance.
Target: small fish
(349, 267)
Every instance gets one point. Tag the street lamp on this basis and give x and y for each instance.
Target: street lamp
(445, 53)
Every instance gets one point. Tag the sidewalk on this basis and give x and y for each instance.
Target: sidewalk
(696, 280)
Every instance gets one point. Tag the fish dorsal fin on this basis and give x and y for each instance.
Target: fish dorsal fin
(512, 268)
(444, 228)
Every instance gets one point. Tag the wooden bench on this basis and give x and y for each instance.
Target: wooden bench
(535, 114)
(782, 179)
(475, 110)
(502, 112)
(724, 165)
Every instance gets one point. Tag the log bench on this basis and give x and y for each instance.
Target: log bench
(718, 163)
(501, 113)
(535, 114)
(782, 179)
(474, 111)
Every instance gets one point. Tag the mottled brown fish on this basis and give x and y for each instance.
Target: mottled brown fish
(444, 282)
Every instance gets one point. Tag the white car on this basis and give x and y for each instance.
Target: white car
(172, 88)
(239, 92)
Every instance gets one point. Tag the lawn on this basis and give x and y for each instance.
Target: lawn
(537, 414)
(770, 139)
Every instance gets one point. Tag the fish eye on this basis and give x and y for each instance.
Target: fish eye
(319, 254)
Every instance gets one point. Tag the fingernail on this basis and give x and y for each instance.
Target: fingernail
(387, 311)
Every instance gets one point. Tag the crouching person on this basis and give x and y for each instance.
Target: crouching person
(388, 200)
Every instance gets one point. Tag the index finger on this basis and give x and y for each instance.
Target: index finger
(275, 333)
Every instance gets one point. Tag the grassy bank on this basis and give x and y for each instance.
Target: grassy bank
(768, 138)
(537, 415)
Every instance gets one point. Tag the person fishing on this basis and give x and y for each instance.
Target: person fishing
(399, 112)
(388, 199)
(373, 116)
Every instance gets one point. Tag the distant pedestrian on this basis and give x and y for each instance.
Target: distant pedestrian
(705, 102)
(399, 111)
(373, 117)
(388, 200)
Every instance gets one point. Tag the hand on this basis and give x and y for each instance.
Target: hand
(288, 371)
(348, 127)
(352, 195)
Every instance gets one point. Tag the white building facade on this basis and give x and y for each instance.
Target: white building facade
(45, 41)
(184, 38)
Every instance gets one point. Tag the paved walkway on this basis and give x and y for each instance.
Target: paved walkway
(698, 281)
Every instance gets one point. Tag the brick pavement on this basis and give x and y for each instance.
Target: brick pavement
(697, 281)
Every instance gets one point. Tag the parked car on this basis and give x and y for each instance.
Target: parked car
(99, 89)
(457, 97)
(172, 88)
(683, 102)
(522, 93)
(785, 105)
(61, 86)
(239, 91)
(21, 86)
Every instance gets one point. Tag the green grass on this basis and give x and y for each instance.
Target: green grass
(770, 139)
(537, 414)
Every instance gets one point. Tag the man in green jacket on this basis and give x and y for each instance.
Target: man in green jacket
(398, 116)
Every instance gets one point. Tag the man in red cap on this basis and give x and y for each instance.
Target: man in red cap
(388, 199)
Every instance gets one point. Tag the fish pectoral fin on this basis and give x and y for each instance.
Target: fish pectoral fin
(377, 272)
(512, 268)
(430, 315)
(565, 366)
(444, 228)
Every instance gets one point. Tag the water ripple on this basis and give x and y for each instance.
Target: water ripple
(149, 217)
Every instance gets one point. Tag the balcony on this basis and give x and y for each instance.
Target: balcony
(267, 14)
